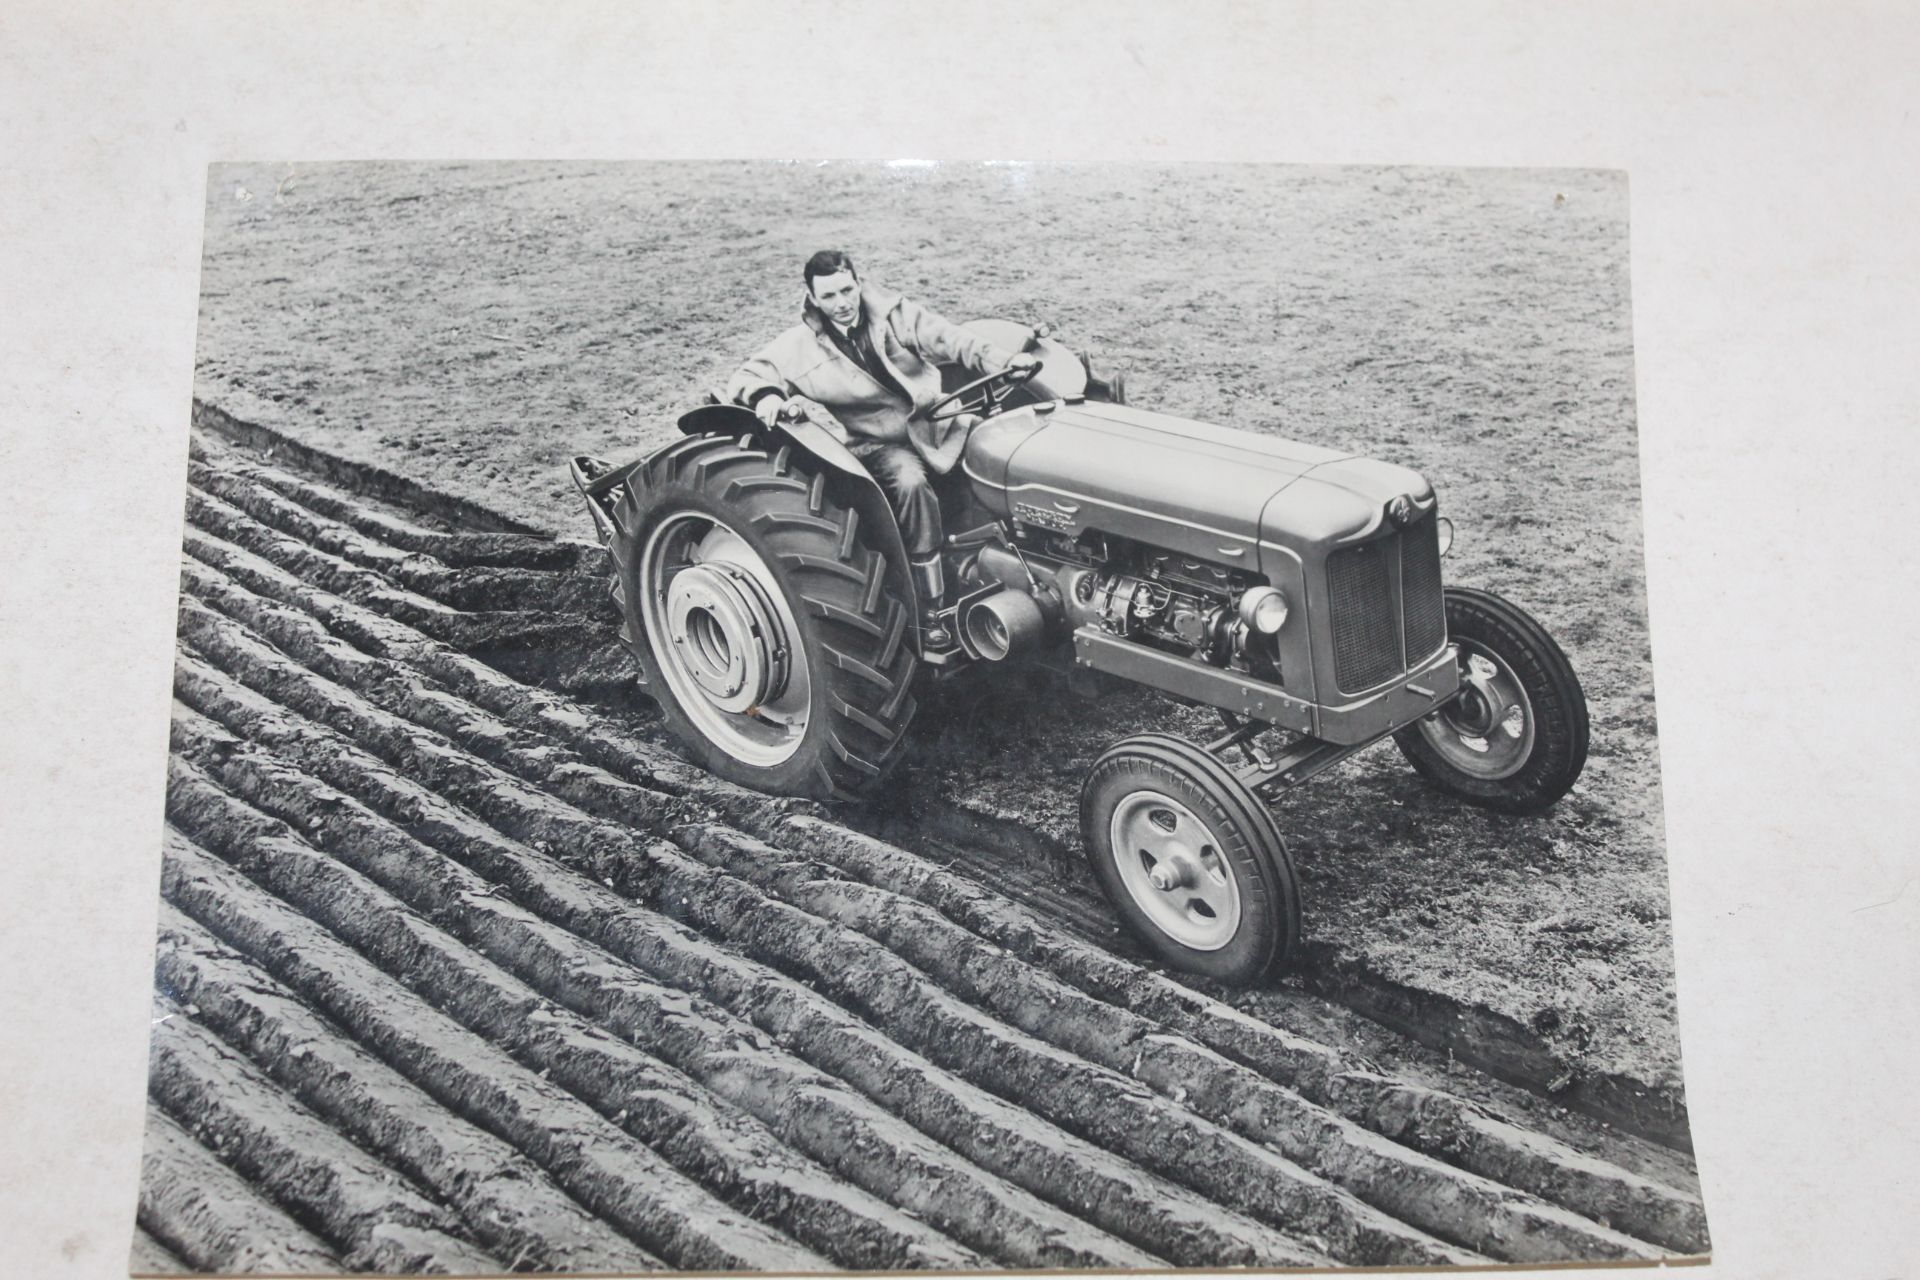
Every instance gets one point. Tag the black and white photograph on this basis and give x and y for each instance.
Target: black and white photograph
(725, 637)
(833, 716)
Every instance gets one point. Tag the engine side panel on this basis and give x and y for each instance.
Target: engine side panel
(1267, 508)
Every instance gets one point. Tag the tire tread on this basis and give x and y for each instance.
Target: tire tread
(839, 590)
(1273, 895)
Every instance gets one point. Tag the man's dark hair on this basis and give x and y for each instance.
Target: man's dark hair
(828, 262)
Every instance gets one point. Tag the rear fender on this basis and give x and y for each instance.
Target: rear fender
(852, 482)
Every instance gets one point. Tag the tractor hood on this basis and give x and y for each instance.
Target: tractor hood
(1227, 496)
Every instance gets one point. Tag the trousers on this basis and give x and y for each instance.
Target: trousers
(909, 487)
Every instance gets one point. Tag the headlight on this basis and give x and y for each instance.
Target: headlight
(1444, 529)
(1264, 609)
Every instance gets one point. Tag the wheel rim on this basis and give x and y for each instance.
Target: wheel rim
(726, 641)
(1173, 868)
(1488, 731)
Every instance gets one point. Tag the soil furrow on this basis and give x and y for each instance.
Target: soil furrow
(211, 1217)
(214, 419)
(367, 1211)
(1102, 1106)
(1436, 1123)
(904, 939)
(1417, 1189)
(734, 1155)
(1060, 892)
(1439, 1123)
(389, 635)
(1157, 1215)
(882, 1059)
(613, 1175)
(476, 587)
(507, 1200)
(1099, 1104)
(308, 638)
(457, 549)
(214, 525)
(576, 651)
(213, 521)
(1428, 1120)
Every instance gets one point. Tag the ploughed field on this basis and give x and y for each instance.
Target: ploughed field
(459, 973)
(471, 326)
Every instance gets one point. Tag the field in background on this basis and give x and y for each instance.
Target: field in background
(473, 326)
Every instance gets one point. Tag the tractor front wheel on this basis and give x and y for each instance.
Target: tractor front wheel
(1190, 858)
(1515, 738)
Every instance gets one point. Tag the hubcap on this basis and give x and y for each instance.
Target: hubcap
(1173, 868)
(720, 621)
(1486, 732)
(725, 639)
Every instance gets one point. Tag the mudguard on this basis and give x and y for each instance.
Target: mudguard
(855, 483)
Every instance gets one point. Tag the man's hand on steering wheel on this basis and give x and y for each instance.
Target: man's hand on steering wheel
(994, 388)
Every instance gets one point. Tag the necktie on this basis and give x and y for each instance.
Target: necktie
(860, 338)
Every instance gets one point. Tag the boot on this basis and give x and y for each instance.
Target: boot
(929, 583)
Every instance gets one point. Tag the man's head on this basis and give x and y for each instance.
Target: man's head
(833, 286)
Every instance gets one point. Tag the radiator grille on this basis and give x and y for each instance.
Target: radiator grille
(1366, 626)
(1421, 597)
(1387, 605)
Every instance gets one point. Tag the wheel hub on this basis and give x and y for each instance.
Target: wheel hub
(1488, 730)
(1176, 871)
(1172, 866)
(1473, 713)
(727, 636)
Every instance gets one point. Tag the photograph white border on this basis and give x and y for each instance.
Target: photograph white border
(1774, 267)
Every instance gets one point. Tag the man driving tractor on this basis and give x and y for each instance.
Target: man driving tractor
(767, 579)
(864, 364)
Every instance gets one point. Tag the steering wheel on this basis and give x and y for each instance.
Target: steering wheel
(995, 386)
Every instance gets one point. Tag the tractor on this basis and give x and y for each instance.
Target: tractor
(1298, 590)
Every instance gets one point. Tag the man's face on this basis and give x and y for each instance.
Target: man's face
(838, 295)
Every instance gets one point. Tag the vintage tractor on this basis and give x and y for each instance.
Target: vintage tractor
(766, 595)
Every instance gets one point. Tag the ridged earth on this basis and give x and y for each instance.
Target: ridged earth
(458, 974)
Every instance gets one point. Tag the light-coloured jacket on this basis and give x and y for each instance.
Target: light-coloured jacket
(806, 366)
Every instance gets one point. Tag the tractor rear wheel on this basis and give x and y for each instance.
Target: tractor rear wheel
(773, 635)
(1190, 858)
